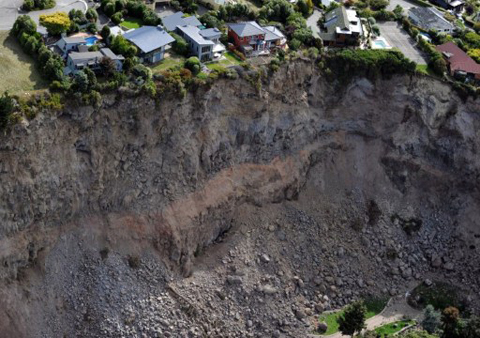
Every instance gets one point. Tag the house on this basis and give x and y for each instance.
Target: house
(252, 39)
(343, 27)
(179, 19)
(430, 18)
(67, 44)
(458, 61)
(80, 60)
(204, 44)
(151, 42)
(454, 5)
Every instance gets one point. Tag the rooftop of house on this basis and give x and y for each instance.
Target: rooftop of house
(194, 34)
(249, 28)
(458, 59)
(342, 21)
(210, 33)
(430, 16)
(149, 38)
(171, 22)
(273, 33)
(85, 57)
(73, 39)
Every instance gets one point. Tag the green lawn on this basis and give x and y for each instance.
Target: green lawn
(132, 23)
(171, 60)
(18, 73)
(374, 307)
(426, 70)
(331, 320)
(389, 329)
(230, 60)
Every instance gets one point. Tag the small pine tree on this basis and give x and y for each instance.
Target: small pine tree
(431, 319)
(353, 318)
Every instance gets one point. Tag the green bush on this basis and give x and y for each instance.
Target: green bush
(7, 105)
(30, 5)
(193, 64)
(180, 46)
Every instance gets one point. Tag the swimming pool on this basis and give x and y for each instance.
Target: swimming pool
(91, 40)
(380, 44)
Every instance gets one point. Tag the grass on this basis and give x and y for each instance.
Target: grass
(18, 73)
(439, 295)
(170, 61)
(374, 305)
(425, 69)
(132, 23)
(389, 329)
(331, 320)
(230, 60)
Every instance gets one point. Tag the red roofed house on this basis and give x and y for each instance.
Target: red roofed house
(458, 61)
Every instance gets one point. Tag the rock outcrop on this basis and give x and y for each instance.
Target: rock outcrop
(238, 210)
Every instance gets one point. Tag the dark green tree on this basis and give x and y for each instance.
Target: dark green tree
(431, 319)
(7, 105)
(353, 318)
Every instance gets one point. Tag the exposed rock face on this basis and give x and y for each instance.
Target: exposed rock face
(325, 195)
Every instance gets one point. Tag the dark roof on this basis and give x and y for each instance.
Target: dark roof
(243, 29)
(430, 17)
(339, 16)
(149, 38)
(458, 59)
(210, 32)
(75, 39)
(171, 22)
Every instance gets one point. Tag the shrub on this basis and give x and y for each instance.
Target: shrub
(431, 319)
(91, 15)
(30, 5)
(276, 10)
(105, 33)
(353, 318)
(142, 71)
(180, 46)
(7, 105)
(24, 24)
(55, 23)
(294, 44)
(193, 64)
(117, 18)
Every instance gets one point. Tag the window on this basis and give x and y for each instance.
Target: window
(205, 49)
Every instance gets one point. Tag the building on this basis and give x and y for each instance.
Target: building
(77, 61)
(454, 5)
(171, 22)
(67, 44)
(151, 42)
(343, 27)
(459, 62)
(252, 39)
(204, 44)
(430, 18)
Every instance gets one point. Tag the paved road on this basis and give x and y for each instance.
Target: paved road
(404, 3)
(312, 22)
(397, 37)
(9, 10)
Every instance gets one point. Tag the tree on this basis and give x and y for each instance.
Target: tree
(193, 64)
(276, 10)
(117, 18)
(53, 68)
(474, 54)
(431, 319)
(450, 319)
(353, 318)
(108, 66)
(56, 23)
(105, 33)
(81, 81)
(7, 105)
(24, 24)
(91, 15)
(472, 328)
(109, 9)
(398, 11)
(142, 71)
(180, 46)
(418, 334)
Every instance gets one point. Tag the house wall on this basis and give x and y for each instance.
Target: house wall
(154, 56)
(197, 49)
(238, 41)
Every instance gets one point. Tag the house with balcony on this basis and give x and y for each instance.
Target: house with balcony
(78, 61)
(454, 5)
(151, 41)
(342, 27)
(253, 39)
(204, 44)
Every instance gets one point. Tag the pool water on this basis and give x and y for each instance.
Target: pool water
(380, 44)
(91, 40)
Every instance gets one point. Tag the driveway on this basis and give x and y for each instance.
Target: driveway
(312, 22)
(404, 3)
(398, 38)
(9, 10)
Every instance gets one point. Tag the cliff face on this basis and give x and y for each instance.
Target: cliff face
(163, 181)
